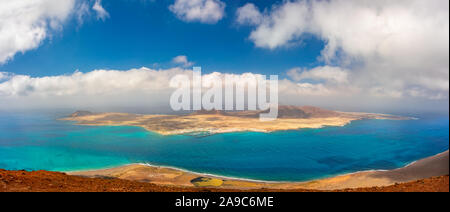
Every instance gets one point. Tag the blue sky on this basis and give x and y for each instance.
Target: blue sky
(340, 54)
(148, 34)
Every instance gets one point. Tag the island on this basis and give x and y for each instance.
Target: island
(212, 122)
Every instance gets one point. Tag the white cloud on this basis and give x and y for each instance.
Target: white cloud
(24, 24)
(204, 11)
(182, 60)
(388, 47)
(328, 73)
(248, 14)
(82, 11)
(302, 92)
(97, 82)
(139, 88)
(4, 76)
(278, 28)
(383, 92)
(148, 89)
(101, 12)
(99, 89)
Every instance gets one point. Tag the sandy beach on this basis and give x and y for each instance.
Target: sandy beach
(434, 166)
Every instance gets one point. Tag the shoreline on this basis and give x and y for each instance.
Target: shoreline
(166, 175)
(236, 178)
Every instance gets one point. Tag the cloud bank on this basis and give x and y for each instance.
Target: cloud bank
(326, 73)
(147, 89)
(386, 48)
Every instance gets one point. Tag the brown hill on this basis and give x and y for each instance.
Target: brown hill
(293, 112)
(44, 181)
(316, 112)
(209, 112)
(81, 113)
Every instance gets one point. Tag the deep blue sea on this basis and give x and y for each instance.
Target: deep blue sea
(41, 142)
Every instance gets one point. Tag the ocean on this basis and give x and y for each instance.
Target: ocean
(41, 142)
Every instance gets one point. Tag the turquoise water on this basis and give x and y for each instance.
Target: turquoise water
(35, 142)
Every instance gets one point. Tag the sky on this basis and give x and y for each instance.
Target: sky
(145, 33)
(353, 55)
